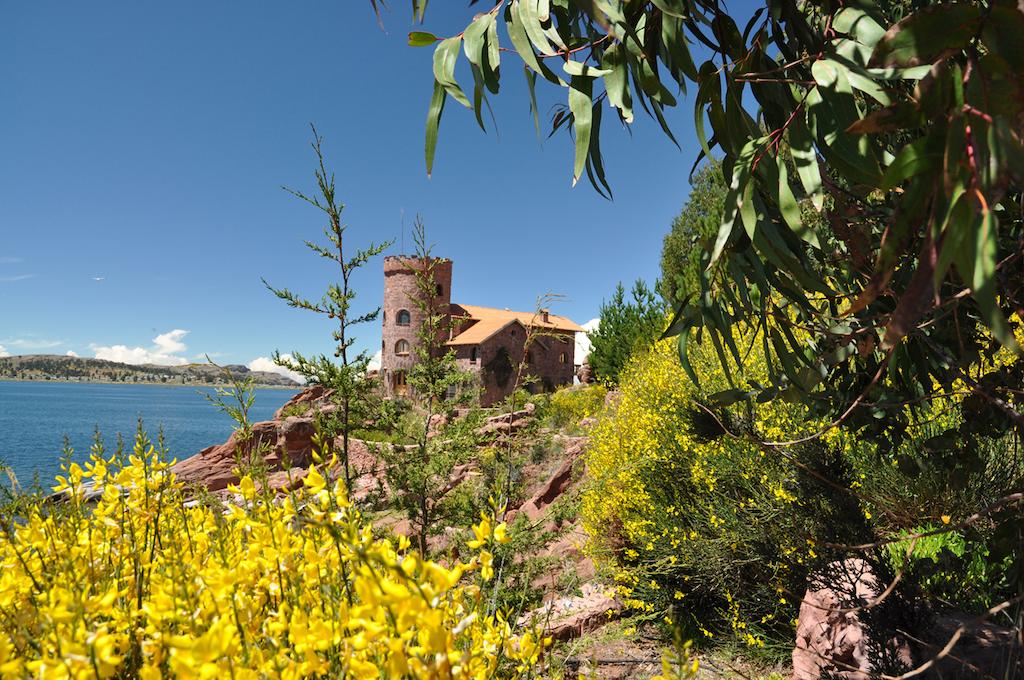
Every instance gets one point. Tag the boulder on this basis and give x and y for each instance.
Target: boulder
(585, 373)
(507, 423)
(832, 639)
(566, 618)
(839, 637)
(309, 397)
(214, 466)
(284, 444)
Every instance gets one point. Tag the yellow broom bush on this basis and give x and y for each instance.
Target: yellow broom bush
(705, 529)
(144, 583)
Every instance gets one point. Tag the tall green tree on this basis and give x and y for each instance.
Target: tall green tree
(346, 373)
(691, 235)
(626, 326)
(873, 153)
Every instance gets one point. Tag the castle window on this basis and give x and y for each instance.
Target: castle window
(529, 357)
(440, 290)
(403, 317)
(402, 347)
(563, 357)
(472, 355)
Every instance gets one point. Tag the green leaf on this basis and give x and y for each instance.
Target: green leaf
(801, 147)
(575, 68)
(616, 83)
(529, 16)
(734, 198)
(920, 156)
(421, 39)
(531, 85)
(859, 24)
(433, 121)
(580, 104)
(791, 210)
(474, 38)
(445, 57)
(984, 279)
(517, 33)
(1004, 34)
(684, 359)
(868, 86)
(682, 319)
(493, 46)
(595, 162)
(924, 35)
(674, 39)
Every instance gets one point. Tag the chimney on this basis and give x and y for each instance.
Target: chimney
(544, 315)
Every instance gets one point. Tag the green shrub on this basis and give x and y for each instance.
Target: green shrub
(568, 406)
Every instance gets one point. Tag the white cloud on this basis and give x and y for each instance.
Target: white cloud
(32, 343)
(170, 343)
(12, 279)
(375, 361)
(71, 353)
(163, 352)
(268, 365)
(4, 352)
(583, 342)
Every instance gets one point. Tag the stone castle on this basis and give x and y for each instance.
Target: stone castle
(488, 342)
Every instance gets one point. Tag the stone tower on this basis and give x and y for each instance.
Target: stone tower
(401, 316)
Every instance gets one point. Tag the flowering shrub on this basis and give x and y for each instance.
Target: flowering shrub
(145, 584)
(700, 525)
(568, 406)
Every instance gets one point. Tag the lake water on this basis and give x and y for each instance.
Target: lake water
(35, 416)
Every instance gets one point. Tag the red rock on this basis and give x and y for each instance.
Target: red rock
(214, 466)
(556, 484)
(569, 617)
(309, 397)
(831, 639)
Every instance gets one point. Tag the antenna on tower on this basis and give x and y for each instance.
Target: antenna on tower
(402, 211)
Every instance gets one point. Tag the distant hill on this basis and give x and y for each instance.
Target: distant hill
(82, 369)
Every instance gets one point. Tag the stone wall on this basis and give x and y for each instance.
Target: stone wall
(400, 294)
(498, 359)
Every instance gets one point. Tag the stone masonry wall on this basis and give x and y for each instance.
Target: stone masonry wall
(400, 293)
(498, 374)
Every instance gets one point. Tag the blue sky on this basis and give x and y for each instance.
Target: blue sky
(143, 147)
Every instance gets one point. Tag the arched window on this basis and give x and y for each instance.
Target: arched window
(402, 347)
(472, 355)
(529, 357)
(403, 317)
(439, 289)
(563, 357)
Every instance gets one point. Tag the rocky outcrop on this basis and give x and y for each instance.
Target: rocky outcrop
(830, 636)
(844, 631)
(285, 444)
(307, 401)
(565, 618)
(214, 467)
(556, 484)
(507, 423)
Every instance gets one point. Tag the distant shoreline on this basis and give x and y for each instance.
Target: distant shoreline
(294, 388)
